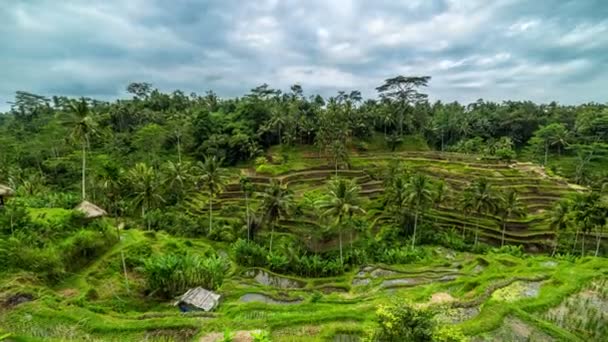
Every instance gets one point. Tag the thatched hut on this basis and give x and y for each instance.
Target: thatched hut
(90, 210)
(198, 299)
(5, 192)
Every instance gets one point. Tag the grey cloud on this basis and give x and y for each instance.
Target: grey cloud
(504, 49)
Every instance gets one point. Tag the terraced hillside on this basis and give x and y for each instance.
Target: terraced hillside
(537, 191)
(494, 297)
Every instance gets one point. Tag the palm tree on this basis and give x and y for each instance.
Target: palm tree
(247, 188)
(277, 201)
(510, 206)
(590, 212)
(419, 196)
(212, 178)
(178, 178)
(342, 201)
(82, 125)
(144, 183)
(339, 153)
(559, 219)
(480, 197)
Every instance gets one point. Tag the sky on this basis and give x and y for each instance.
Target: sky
(542, 50)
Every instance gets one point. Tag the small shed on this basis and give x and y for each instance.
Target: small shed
(5, 192)
(198, 298)
(90, 210)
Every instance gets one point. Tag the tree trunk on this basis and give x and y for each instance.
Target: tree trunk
(179, 151)
(415, 227)
(555, 244)
(597, 244)
(210, 213)
(476, 231)
(247, 212)
(340, 238)
(124, 267)
(442, 141)
(575, 240)
(464, 227)
(504, 227)
(84, 167)
(271, 236)
(583, 243)
(546, 154)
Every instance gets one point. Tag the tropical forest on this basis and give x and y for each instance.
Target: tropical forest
(284, 215)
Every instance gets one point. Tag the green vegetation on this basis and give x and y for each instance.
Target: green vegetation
(315, 219)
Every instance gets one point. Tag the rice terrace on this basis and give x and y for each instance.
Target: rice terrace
(390, 213)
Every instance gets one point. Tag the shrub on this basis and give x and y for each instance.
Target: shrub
(260, 161)
(173, 274)
(277, 262)
(261, 336)
(249, 253)
(402, 322)
(85, 245)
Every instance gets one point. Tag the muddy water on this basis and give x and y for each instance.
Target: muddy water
(257, 297)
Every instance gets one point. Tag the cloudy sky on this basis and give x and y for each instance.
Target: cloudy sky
(504, 49)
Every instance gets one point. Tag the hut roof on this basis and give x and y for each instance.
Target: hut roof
(5, 190)
(90, 210)
(200, 298)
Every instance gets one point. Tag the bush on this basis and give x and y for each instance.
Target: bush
(249, 253)
(402, 322)
(84, 246)
(172, 274)
(401, 255)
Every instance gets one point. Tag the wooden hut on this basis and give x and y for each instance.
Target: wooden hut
(90, 210)
(5, 192)
(198, 299)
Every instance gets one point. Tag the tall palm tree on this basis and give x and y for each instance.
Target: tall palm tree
(510, 205)
(82, 125)
(178, 177)
(247, 188)
(589, 212)
(212, 178)
(419, 196)
(342, 201)
(145, 185)
(277, 201)
(339, 153)
(480, 197)
(559, 219)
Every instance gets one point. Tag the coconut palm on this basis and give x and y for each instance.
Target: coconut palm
(481, 198)
(589, 213)
(419, 196)
(178, 178)
(342, 201)
(82, 125)
(145, 187)
(559, 219)
(510, 205)
(247, 188)
(212, 178)
(276, 201)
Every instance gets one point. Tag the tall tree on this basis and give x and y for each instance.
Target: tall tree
(145, 188)
(212, 178)
(481, 198)
(276, 201)
(559, 219)
(510, 206)
(178, 178)
(80, 120)
(247, 188)
(403, 91)
(419, 196)
(339, 153)
(342, 201)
